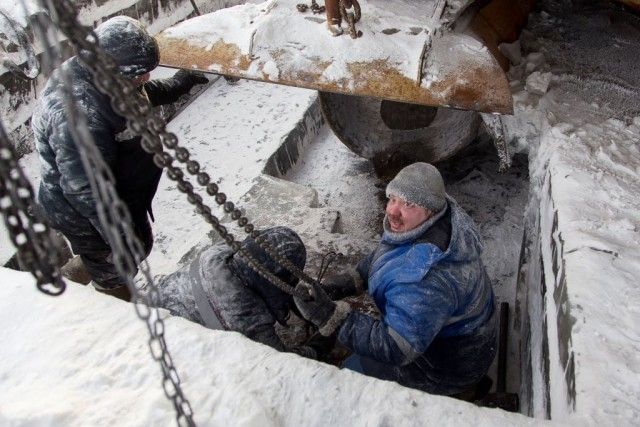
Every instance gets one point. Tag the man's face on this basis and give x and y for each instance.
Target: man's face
(404, 216)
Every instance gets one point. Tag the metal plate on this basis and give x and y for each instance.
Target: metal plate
(403, 55)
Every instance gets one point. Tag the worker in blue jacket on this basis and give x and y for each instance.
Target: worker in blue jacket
(437, 330)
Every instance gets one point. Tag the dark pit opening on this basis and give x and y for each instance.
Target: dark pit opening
(404, 116)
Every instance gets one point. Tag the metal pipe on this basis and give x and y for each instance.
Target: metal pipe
(502, 348)
(333, 12)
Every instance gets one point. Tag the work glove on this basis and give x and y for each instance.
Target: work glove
(318, 308)
(343, 285)
(321, 345)
(190, 78)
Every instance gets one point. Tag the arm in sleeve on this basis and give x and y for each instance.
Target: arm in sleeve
(414, 314)
(252, 318)
(363, 268)
(265, 333)
(74, 180)
(370, 338)
(169, 90)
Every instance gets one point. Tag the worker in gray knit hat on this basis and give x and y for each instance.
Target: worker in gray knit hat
(438, 326)
(417, 185)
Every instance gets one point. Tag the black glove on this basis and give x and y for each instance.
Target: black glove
(321, 345)
(190, 77)
(343, 285)
(319, 309)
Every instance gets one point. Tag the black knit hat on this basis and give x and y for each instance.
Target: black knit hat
(136, 52)
(285, 242)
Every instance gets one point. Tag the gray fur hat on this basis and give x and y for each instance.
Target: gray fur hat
(136, 52)
(419, 183)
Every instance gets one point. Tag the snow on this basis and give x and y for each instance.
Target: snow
(82, 358)
(17, 10)
(247, 26)
(124, 388)
(584, 172)
(220, 147)
(401, 50)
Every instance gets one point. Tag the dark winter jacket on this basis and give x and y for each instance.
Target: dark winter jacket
(249, 306)
(64, 193)
(438, 331)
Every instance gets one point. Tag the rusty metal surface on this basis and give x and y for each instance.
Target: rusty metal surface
(635, 4)
(452, 70)
(501, 21)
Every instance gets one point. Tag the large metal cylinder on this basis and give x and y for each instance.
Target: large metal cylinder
(394, 134)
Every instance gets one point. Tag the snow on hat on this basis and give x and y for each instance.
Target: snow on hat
(285, 242)
(135, 51)
(420, 184)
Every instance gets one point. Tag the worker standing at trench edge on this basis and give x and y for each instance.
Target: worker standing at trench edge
(438, 329)
(65, 194)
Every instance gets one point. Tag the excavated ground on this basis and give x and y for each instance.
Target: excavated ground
(495, 201)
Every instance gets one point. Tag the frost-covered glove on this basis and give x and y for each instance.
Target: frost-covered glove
(190, 78)
(343, 285)
(318, 308)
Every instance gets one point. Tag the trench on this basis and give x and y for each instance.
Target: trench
(496, 202)
(348, 183)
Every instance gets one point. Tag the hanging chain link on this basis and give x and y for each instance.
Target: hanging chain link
(315, 8)
(27, 228)
(351, 18)
(151, 128)
(113, 214)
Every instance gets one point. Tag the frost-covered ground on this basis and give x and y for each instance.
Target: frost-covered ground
(82, 359)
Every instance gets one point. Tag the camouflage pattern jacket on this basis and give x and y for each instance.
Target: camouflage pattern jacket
(238, 306)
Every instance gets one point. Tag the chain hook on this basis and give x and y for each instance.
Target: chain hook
(329, 257)
(351, 18)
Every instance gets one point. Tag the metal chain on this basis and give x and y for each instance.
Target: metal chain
(349, 18)
(316, 9)
(119, 233)
(30, 234)
(27, 228)
(116, 222)
(154, 135)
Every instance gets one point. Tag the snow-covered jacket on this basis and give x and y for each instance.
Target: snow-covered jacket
(429, 288)
(237, 305)
(65, 193)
